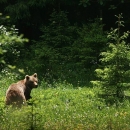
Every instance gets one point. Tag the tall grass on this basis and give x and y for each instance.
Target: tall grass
(62, 107)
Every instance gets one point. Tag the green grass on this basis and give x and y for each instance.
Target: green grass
(62, 107)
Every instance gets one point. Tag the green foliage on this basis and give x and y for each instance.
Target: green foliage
(63, 107)
(90, 42)
(114, 73)
(9, 44)
(86, 3)
(66, 52)
(52, 49)
(18, 10)
(22, 9)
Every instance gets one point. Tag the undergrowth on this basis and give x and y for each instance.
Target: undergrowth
(62, 107)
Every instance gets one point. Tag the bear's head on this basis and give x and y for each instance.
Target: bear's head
(31, 81)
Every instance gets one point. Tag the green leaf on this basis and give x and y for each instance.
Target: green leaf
(11, 67)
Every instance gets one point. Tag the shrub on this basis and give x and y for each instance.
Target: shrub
(10, 42)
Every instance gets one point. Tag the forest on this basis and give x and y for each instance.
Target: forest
(64, 37)
(80, 50)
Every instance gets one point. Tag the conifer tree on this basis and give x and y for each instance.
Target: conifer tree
(114, 73)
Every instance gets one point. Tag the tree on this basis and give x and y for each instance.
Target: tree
(115, 73)
(53, 48)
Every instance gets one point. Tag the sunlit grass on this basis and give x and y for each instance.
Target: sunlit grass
(62, 107)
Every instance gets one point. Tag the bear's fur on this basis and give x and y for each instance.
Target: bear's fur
(18, 93)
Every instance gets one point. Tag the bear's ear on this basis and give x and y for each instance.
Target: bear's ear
(27, 77)
(35, 75)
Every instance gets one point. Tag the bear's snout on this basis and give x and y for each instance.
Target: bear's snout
(36, 84)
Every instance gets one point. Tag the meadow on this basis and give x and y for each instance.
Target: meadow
(60, 106)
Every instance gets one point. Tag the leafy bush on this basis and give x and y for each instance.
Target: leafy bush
(10, 42)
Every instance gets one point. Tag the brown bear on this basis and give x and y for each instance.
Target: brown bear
(18, 93)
